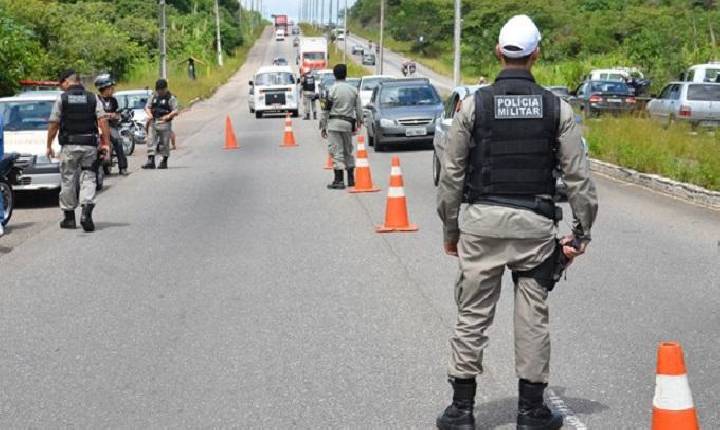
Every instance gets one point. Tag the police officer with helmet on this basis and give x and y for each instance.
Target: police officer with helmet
(341, 118)
(506, 148)
(308, 85)
(106, 87)
(76, 115)
(161, 108)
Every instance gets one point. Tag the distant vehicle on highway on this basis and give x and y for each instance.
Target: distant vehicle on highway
(273, 90)
(703, 73)
(280, 61)
(444, 123)
(295, 31)
(339, 34)
(312, 54)
(593, 98)
(368, 84)
(279, 35)
(368, 59)
(26, 123)
(358, 50)
(560, 91)
(296, 42)
(696, 103)
(402, 111)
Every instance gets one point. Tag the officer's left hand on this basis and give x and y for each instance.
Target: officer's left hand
(451, 249)
(104, 151)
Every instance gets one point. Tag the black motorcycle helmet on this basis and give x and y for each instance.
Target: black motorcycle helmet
(103, 81)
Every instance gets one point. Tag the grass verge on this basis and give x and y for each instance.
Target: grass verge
(209, 76)
(643, 145)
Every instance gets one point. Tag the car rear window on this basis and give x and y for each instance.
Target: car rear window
(26, 115)
(705, 93)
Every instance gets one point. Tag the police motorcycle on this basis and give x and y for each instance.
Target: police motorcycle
(409, 68)
(9, 173)
(129, 132)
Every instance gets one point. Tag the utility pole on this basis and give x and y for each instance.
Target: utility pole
(382, 34)
(322, 13)
(217, 34)
(162, 42)
(330, 17)
(458, 34)
(345, 26)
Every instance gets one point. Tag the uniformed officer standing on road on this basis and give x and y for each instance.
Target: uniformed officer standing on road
(161, 108)
(106, 87)
(307, 82)
(341, 118)
(77, 114)
(506, 147)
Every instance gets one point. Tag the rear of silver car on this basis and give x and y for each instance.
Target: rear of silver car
(701, 105)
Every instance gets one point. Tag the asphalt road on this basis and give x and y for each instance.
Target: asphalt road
(234, 291)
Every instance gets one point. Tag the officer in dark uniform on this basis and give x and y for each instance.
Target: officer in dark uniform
(76, 115)
(106, 87)
(161, 109)
(507, 146)
(307, 83)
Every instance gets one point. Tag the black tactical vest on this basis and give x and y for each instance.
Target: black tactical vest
(161, 105)
(78, 122)
(309, 83)
(110, 105)
(515, 139)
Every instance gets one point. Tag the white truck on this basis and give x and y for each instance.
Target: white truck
(701, 73)
(312, 54)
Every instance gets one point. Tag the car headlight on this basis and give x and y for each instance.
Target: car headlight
(384, 122)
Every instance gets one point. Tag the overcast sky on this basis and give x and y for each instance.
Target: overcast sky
(291, 7)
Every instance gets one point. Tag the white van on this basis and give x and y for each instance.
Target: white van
(702, 73)
(280, 35)
(274, 90)
(26, 122)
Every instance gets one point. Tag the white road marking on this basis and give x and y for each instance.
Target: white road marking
(558, 404)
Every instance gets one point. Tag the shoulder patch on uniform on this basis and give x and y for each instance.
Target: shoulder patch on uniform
(519, 107)
(77, 100)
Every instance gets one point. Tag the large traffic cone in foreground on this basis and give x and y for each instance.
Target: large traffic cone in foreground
(329, 163)
(289, 138)
(363, 177)
(673, 407)
(396, 214)
(230, 139)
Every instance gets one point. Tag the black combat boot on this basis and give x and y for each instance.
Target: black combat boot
(86, 217)
(351, 177)
(69, 221)
(459, 415)
(533, 414)
(339, 182)
(150, 163)
(163, 163)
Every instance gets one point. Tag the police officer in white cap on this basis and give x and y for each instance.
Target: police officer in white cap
(507, 147)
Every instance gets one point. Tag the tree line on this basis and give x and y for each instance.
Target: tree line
(39, 38)
(662, 37)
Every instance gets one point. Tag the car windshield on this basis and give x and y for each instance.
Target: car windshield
(609, 87)
(132, 101)
(706, 93)
(612, 77)
(26, 115)
(314, 56)
(411, 95)
(279, 78)
(369, 84)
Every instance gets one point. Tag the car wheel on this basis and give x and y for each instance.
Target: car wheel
(252, 110)
(370, 139)
(379, 147)
(295, 113)
(6, 194)
(258, 115)
(436, 168)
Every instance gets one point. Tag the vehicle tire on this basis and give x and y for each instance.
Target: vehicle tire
(436, 168)
(252, 110)
(295, 113)
(131, 148)
(6, 193)
(99, 180)
(258, 115)
(379, 147)
(370, 139)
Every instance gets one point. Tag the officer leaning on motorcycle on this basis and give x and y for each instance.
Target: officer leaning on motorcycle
(506, 148)
(76, 115)
(106, 87)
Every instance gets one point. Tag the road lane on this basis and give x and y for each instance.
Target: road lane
(234, 291)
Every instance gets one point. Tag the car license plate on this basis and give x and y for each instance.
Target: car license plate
(416, 131)
(614, 100)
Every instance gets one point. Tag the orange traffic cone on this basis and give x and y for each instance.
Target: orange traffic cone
(396, 214)
(289, 138)
(363, 177)
(230, 139)
(673, 407)
(329, 163)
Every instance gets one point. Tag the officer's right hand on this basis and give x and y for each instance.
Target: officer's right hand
(324, 134)
(573, 250)
(50, 153)
(451, 249)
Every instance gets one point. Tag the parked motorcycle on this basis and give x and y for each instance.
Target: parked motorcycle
(128, 131)
(8, 176)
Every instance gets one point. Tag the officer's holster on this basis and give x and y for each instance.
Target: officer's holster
(549, 272)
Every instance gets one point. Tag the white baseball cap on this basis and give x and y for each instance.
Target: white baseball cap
(519, 37)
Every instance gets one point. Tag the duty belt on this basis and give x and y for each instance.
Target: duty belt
(79, 139)
(540, 206)
(349, 119)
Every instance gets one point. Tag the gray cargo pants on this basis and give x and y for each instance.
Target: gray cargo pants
(159, 139)
(77, 171)
(482, 263)
(341, 149)
(309, 103)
